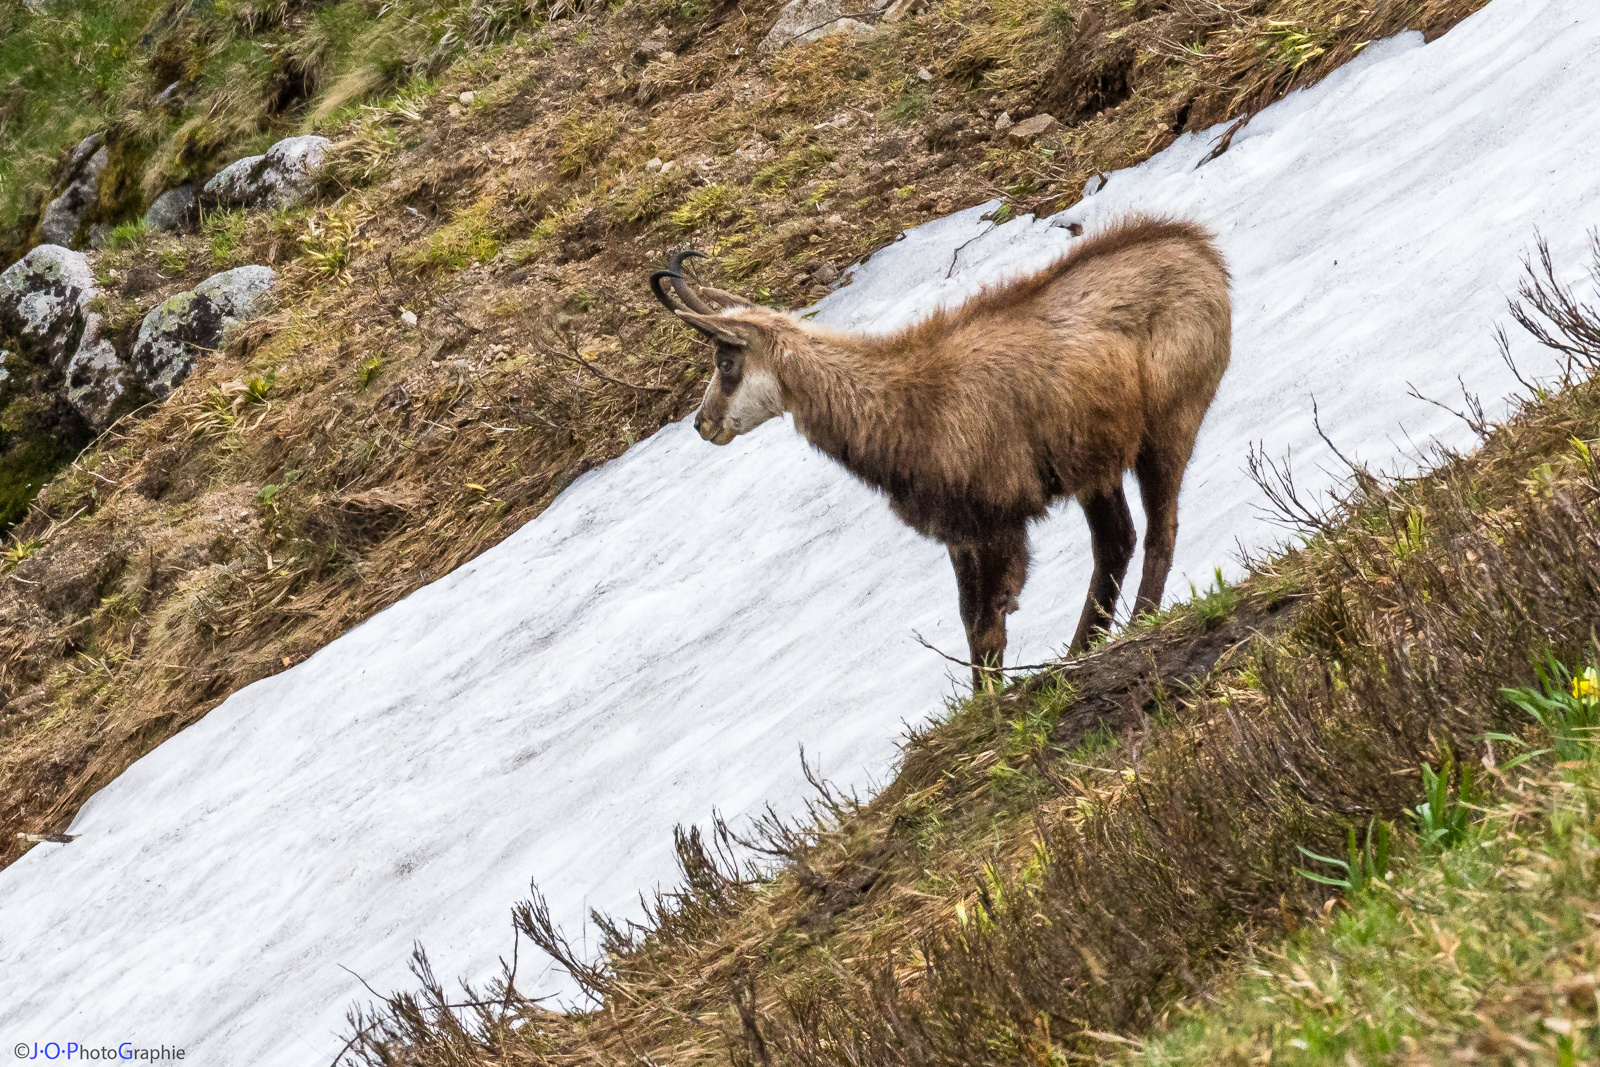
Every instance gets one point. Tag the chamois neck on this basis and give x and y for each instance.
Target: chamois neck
(846, 398)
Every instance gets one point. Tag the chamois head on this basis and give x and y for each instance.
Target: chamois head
(743, 392)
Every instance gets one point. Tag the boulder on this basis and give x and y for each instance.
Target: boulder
(170, 209)
(47, 308)
(280, 178)
(178, 329)
(44, 297)
(812, 20)
(96, 377)
(76, 192)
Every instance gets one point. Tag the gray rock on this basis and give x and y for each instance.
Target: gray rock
(181, 327)
(44, 297)
(1030, 130)
(96, 376)
(170, 208)
(46, 305)
(171, 99)
(812, 20)
(280, 178)
(76, 192)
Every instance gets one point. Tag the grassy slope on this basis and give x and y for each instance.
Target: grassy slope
(162, 572)
(1081, 866)
(1489, 952)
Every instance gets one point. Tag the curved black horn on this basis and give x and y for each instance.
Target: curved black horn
(723, 298)
(680, 286)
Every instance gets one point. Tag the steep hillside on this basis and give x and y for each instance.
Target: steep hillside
(1342, 812)
(461, 327)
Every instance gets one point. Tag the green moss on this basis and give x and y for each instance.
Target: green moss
(39, 435)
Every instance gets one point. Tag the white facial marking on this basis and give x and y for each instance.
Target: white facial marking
(757, 399)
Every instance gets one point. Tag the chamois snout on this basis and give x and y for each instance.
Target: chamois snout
(741, 395)
(712, 430)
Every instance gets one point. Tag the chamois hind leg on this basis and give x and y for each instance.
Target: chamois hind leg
(1160, 477)
(1112, 536)
(990, 575)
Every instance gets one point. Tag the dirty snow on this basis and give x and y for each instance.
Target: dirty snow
(660, 642)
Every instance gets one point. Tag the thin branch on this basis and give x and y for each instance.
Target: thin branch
(836, 18)
(965, 663)
(575, 357)
(1473, 416)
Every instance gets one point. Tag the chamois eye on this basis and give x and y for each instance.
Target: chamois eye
(725, 364)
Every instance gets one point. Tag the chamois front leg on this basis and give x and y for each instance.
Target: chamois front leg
(1112, 536)
(1160, 477)
(990, 576)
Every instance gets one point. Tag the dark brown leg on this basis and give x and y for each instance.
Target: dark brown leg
(989, 576)
(1159, 481)
(1112, 535)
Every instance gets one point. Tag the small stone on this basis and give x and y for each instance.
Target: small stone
(924, 74)
(812, 20)
(1029, 130)
(408, 317)
(44, 297)
(666, 168)
(835, 220)
(454, 111)
(171, 99)
(826, 274)
(653, 166)
(1003, 123)
(170, 208)
(466, 98)
(668, 57)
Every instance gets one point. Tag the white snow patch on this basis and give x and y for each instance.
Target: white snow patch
(660, 642)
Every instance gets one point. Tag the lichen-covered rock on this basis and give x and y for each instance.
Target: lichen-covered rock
(178, 329)
(44, 297)
(96, 376)
(280, 178)
(812, 20)
(76, 192)
(170, 208)
(47, 302)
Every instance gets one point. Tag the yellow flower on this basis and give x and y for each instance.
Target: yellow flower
(1586, 686)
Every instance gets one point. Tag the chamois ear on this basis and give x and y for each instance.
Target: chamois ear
(728, 331)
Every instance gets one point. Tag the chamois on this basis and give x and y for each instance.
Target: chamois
(974, 420)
